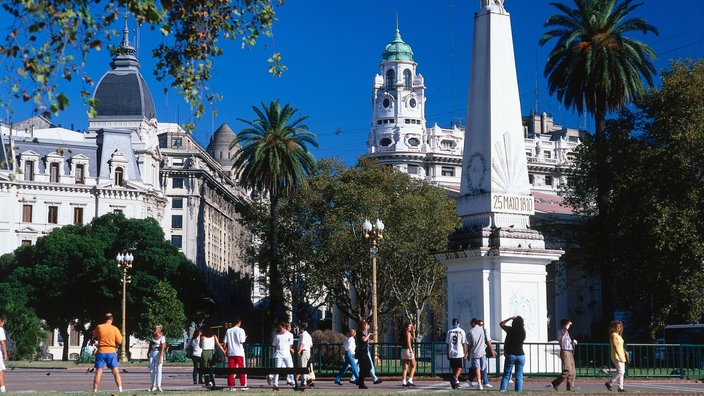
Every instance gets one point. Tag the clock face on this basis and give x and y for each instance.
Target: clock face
(475, 173)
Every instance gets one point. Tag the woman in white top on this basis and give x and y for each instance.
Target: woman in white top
(196, 353)
(350, 348)
(208, 342)
(157, 348)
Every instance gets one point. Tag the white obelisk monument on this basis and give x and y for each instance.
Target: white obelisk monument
(496, 263)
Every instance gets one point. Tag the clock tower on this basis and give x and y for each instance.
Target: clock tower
(398, 102)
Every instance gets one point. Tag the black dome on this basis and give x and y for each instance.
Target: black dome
(122, 91)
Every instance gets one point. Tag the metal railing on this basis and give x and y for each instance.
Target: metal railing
(542, 359)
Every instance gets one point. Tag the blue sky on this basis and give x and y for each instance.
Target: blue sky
(333, 49)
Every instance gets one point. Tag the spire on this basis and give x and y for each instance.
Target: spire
(126, 55)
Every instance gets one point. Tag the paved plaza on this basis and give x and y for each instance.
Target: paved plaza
(178, 379)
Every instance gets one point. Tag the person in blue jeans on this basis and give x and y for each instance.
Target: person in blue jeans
(350, 348)
(513, 351)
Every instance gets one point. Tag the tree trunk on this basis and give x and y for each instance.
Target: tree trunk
(603, 181)
(64, 335)
(276, 310)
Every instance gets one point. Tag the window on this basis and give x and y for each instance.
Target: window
(412, 169)
(117, 211)
(176, 142)
(390, 79)
(177, 240)
(162, 141)
(447, 144)
(531, 179)
(177, 182)
(386, 142)
(26, 242)
(29, 170)
(386, 102)
(414, 142)
(407, 82)
(80, 174)
(412, 103)
(26, 213)
(447, 171)
(54, 172)
(77, 215)
(176, 221)
(548, 180)
(53, 217)
(378, 122)
(547, 154)
(119, 176)
(177, 203)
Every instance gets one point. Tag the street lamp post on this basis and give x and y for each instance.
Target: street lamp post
(124, 262)
(374, 233)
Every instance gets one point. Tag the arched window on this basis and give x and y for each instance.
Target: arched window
(390, 79)
(407, 78)
(119, 176)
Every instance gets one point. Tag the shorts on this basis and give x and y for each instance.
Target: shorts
(455, 363)
(480, 363)
(2, 363)
(406, 354)
(106, 359)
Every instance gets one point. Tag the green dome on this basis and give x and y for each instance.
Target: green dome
(397, 50)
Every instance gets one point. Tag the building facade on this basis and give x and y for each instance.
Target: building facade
(127, 162)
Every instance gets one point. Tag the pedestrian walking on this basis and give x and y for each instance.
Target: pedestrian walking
(407, 356)
(350, 346)
(513, 351)
(618, 355)
(478, 347)
(305, 346)
(157, 354)
(364, 338)
(456, 351)
(208, 342)
(196, 352)
(567, 345)
(234, 340)
(108, 337)
(3, 354)
(283, 348)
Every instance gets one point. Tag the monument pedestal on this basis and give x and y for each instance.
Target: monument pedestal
(496, 283)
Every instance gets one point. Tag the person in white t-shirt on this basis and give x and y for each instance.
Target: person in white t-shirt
(305, 346)
(3, 354)
(234, 343)
(283, 348)
(157, 352)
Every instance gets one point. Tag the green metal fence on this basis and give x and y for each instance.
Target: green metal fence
(542, 359)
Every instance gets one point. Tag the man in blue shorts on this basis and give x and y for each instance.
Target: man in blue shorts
(108, 338)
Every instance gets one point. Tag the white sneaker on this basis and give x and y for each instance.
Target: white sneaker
(269, 378)
(244, 388)
(488, 385)
(480, 386)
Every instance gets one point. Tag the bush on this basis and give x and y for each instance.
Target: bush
(178, 356)
(329, 344)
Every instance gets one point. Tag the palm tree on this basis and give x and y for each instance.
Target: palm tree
(595, 68)
(273, 158)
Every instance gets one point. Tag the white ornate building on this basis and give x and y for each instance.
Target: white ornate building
(130, 163)
(400, 137)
